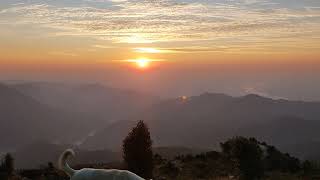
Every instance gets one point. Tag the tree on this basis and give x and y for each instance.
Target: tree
(307, 167)
(137, 151)
(7, 164)
(247, 156)
(278, 161)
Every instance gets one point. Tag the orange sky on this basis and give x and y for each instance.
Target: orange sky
(92, 32)
(193, 45)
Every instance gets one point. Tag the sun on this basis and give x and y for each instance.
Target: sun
(142, 63)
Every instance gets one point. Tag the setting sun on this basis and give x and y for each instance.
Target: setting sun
(142, 63)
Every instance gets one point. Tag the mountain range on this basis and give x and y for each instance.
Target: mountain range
(98, 101)
(24, 119)
(206, 120)
(65, 113)
(96, 117)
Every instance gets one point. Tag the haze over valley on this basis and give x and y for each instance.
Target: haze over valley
(93, 117)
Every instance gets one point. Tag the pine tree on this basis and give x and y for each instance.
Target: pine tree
(7, 164)
(137, 151)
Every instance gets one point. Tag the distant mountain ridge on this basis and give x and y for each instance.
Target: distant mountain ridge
(40, 153)
(60, 112)
(24, 119)
(96, 100)
(65, 113)
(205, 120)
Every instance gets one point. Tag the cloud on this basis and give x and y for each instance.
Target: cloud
(102, 46)
(61, 53)
(158, 21)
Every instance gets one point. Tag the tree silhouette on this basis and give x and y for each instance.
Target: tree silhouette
(307, 167)
(278, 161)
(7, 164)
(247, 156)
(137, 151)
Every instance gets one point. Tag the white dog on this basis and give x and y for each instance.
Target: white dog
(93, 174)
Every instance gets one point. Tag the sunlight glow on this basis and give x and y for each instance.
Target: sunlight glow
(135, 39)
(142, 63)
(184, 98)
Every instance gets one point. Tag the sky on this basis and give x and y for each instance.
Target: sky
(271, 47)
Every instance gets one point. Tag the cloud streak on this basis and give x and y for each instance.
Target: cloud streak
(163, 21)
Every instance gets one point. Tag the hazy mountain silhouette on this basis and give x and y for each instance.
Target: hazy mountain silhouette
(69, 113)
(40, 153)
(285, 131)
(204, 121)
(24, 119)
(98, 101)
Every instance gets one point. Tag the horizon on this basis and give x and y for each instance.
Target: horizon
(82, 84)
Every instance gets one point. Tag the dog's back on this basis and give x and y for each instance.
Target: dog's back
(104, 174)
(93, 174)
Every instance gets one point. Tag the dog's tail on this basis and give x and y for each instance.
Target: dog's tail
(62, 163)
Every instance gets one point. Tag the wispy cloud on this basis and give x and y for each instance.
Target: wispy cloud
(150, 21)
(62, 53)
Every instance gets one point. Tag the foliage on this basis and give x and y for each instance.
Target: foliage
(275, 160)
(210, 165)
(246, 154)
(241, 158)
(7, 166)
(137, 151)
